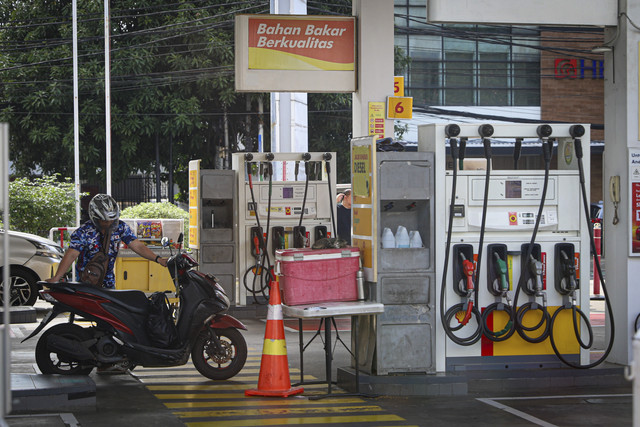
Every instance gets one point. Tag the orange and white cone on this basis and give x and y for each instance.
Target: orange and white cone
(274, 377)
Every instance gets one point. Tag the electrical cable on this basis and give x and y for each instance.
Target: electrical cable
(579, 154)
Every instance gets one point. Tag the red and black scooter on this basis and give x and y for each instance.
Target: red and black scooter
(127, 330)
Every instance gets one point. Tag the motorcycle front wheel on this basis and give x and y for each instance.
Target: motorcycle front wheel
(50, 362)
(219, 363)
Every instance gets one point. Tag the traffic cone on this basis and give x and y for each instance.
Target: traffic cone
(274, 377)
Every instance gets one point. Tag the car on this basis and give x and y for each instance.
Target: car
(32, 258)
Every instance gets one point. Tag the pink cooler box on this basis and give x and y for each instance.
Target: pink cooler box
(309, 276)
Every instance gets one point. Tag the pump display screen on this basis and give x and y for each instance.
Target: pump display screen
(513, 189)
(287, 192)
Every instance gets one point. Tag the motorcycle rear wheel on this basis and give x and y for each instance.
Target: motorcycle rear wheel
(222, 364)
(50, 362)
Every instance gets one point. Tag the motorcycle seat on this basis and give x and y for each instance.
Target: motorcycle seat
(130, 299)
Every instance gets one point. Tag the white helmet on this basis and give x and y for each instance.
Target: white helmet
(103, 207)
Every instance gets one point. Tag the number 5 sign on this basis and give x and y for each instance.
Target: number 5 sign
(399, 107)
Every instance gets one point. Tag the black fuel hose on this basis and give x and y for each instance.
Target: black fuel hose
(327, 165)
(306, 188)
(487, 179)
(579, 155)
(547, 149)
(509, 328)
(447, 317)
(259, 271)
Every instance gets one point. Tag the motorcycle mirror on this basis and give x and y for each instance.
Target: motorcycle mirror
(164, 242)
(180, 238)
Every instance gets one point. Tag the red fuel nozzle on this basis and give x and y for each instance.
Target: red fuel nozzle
(468, 269)
(256, 244)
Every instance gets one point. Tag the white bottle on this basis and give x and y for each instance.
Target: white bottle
(388, 239)
(415, 241)
(402, 237)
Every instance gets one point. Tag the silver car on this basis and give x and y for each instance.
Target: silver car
(32, 258)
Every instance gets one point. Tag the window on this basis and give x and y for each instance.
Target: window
(467, 65)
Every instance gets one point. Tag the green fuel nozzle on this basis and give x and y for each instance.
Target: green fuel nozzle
(501, 267)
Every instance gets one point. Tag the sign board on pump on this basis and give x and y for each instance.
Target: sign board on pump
(295, 53)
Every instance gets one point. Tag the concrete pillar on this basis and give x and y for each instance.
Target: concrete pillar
(375, 61)
(622, 140)
(289, 118)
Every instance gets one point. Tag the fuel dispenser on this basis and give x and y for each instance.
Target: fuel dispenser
(391, 190)
(274, 213)
(512, 247)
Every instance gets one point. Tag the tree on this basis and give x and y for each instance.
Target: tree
(171, 79)
(37, 206)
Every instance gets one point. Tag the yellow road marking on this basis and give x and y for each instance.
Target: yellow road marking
(278, 411)
(300, 420)
(261, 402)
(228, 385)
(196, 373)
(187, 367)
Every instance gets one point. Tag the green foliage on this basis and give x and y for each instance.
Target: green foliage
(400, 61)
(158, 211)
(172, 80)
(41, 204)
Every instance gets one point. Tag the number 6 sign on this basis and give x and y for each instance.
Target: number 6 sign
(399, 107)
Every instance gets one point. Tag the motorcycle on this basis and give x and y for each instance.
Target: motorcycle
(121, 335)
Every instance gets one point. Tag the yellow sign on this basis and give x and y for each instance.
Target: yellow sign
(399, 107)
(376, 119)
(398, 85)
(194, 204)
(361, 170)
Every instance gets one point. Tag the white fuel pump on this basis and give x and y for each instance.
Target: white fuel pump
(274, 213)
(500, 214)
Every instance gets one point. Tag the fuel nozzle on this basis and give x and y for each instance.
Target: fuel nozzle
(468, 269)
(568, 281)
(535, 268)
(501, 268)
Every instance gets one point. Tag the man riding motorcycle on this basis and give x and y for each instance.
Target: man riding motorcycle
(87, 241)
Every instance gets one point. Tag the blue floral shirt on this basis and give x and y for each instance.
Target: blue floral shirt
(88, 241)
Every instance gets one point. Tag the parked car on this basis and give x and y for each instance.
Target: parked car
(32, 258)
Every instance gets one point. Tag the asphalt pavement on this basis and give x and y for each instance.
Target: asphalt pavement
(180, 396)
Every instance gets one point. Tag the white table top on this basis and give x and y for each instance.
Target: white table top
(333, 309)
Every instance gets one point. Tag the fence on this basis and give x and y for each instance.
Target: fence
(134, 190)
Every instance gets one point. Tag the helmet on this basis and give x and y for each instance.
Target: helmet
(103, 207)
